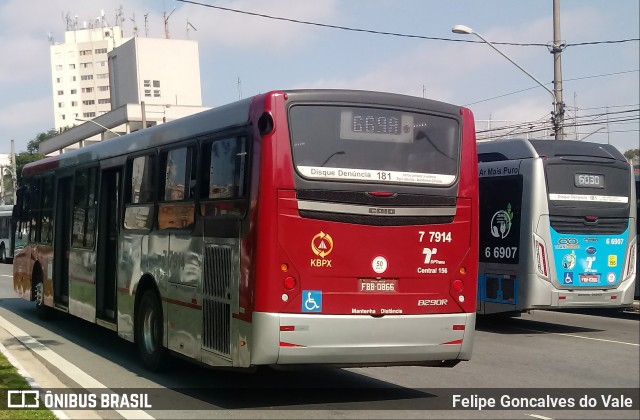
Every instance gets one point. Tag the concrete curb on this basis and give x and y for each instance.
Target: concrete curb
(37, 374)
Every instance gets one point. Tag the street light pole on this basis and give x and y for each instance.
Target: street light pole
(557, 70)
(557, 128)
(98, 124)
(14, 175)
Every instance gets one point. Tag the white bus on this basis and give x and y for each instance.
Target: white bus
(557, 226)
(6, 241)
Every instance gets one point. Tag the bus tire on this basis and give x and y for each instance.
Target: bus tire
(149, 328)
(43, 311)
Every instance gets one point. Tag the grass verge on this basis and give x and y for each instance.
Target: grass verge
(10, 379)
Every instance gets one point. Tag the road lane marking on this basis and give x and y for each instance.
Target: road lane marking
(72, 371)
(580, 336)
(537, 416)
(6, 275)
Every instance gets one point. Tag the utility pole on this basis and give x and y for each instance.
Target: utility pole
(1, 184)
(575, 120)
(557, 115)
(14, 175)
(556, 50)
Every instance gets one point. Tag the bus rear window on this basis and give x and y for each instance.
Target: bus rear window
(339, 143)
(603, 185)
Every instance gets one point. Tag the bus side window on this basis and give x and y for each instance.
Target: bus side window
(140, 193)
(5, 226)
(84, 209)
(34, 213)
(177, 194)
(224, 164)
(22, 213)
(45, 221)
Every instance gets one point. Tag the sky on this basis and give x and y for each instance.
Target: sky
(242, 55)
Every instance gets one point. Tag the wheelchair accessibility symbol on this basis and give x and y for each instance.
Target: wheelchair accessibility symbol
(311, 301)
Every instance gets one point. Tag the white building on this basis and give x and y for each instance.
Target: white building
(156, 71)
(149, 81)
(80, 74)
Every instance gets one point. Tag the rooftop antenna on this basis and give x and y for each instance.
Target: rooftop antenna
(118, 24)
(189, 25)
(239, 88)
(67, 20)
(50, 38)
(135, 27)
(119, 16)
(146, 25)
(166, 23)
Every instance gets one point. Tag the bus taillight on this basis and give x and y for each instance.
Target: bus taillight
(458, 285)
(541, 256)
(631, 262)
(290, 283)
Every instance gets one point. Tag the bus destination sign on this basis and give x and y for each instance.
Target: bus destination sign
(589, 180)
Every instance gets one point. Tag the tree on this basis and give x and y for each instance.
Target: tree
(33, 153)
(33, 147)
(632, 154)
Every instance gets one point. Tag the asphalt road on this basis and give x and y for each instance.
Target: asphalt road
(549, 355)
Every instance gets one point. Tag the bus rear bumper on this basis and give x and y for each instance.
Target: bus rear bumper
(620, 296)
(361, 340)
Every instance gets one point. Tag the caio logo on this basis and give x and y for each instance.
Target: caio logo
(375, 210)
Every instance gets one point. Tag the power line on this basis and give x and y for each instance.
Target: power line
(512, 135)
(524, 128)
(528, 127)
(496, 133)
(605, 107)
(616, 121)
(396, 34)
(565, 80)
(604, 114)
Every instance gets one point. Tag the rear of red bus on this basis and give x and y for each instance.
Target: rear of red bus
(366, 230)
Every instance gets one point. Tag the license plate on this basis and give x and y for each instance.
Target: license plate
(589, 278)
(378, 285)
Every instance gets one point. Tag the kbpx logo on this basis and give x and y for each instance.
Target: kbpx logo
(321, 245)
(432, 302)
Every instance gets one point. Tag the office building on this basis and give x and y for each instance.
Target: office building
(80, 74)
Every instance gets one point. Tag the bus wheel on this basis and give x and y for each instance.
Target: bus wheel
(149, 331)
(44, 312)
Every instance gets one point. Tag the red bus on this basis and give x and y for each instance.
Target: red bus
(294, 227)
